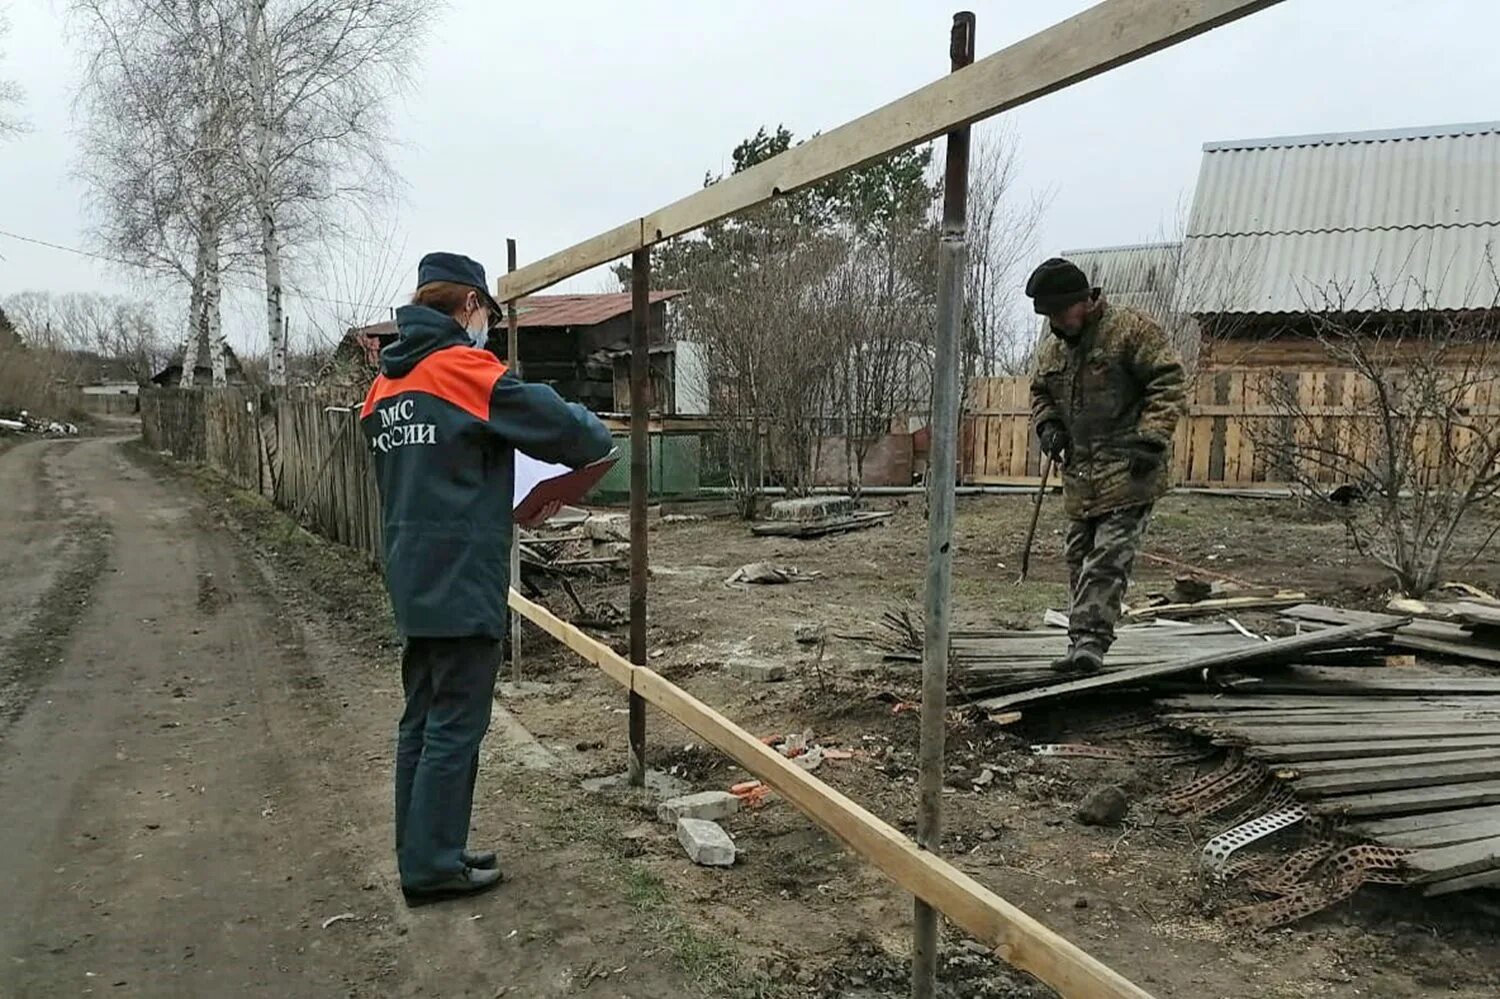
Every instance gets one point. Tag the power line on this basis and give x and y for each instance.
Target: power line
(131, 263)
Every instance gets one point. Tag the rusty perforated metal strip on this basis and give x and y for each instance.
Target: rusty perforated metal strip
(1343, 875)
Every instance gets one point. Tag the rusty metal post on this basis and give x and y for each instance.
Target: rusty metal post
(942, 467)
(640, 456)
(513, 362)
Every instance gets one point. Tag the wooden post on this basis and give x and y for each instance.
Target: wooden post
(513, 362)
(941, 469)
(640, 455)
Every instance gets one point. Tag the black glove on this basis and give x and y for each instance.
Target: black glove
(1055, 440)
(1145, 456)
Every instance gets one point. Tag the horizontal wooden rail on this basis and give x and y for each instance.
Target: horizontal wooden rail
(1106, 35)
(1016, 937)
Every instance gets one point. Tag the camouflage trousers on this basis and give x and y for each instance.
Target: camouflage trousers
(1101, 554)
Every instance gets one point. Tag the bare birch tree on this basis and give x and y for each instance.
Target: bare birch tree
(319, 76)
(10, 95)
(998, 335)
(162, 131)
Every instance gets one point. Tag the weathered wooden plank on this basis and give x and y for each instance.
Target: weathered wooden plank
(1318, 768)
(1451, 835)
(1421, 799)
(1100, 38)
(1236, 704)
(1239, 721)
(1252, 654)
(1448, 862)
(1426, 820)
(1286, 735)
(1398, 777)
(1481, 879)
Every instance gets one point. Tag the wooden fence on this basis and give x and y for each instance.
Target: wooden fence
(299, 451)
(1223, 441)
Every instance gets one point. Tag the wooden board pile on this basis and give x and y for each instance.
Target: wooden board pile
(1408, 761)
(1464, 630)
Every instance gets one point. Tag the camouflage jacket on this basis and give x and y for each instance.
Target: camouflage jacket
(1118, 390)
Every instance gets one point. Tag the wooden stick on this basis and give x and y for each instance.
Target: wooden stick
(1107, 35)
(1036, 515)
(1017, 938)
(1222, 577)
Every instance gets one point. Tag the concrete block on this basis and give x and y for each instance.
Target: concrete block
(659, 785)
(812, 508)
(710, 805)
(757, 670)
(705, 842)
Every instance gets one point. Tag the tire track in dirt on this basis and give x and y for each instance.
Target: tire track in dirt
(56, 546)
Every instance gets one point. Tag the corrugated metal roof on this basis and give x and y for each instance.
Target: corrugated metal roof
(1369, 212)
(1139, 275)
(1378, 270)
(578, 310)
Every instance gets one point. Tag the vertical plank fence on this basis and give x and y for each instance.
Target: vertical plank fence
(1227, 438)
(301, 451)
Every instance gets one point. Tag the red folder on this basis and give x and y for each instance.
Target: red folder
(547, 484)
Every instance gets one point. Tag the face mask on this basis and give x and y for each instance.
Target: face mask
(479, 337)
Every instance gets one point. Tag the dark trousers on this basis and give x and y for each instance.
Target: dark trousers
(1101, 555)
(449, 685)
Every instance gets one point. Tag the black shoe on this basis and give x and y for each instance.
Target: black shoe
(1063, 665)
(484, 860)
(470, 882)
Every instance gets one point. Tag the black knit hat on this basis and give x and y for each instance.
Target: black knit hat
(1057, 284)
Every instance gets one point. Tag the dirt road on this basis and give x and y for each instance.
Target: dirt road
(194, 779)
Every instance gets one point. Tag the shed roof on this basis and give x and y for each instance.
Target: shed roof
(578, 310)
(1391, 219)
(1140, 274)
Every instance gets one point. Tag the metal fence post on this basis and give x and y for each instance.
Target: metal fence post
(950, 310)
(640, 445)
(513, 362)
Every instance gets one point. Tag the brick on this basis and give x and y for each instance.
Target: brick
(705, 842)
(757, 671)
(708, 805)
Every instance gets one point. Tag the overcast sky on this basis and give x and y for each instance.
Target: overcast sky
(550, 122)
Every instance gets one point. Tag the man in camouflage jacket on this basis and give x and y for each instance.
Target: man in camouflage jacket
(1105, 399)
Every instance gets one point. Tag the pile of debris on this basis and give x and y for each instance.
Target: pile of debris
(575, 542)
(25, 423)
(1389, 773)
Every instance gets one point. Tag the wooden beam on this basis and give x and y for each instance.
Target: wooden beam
(614, 665)
(1106, 35)
(1017, 938)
